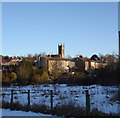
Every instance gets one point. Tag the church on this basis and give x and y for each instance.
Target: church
(57, 62)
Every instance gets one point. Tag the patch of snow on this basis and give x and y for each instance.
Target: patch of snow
(8, 112)
(40, 94)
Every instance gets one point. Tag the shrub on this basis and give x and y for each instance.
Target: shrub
(12, 77)
(67, 110)
(45, 78)
(40, 79)
(5, 79)
(79, 75)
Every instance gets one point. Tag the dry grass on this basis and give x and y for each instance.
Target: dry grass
(66, 110)
(116, 97)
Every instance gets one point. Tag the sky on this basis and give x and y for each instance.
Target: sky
(119, 16)
(0, 28)
(35, 27)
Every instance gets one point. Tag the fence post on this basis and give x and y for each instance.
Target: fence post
(87, 103)
(11, 96)
(28, 97)
(51, 99)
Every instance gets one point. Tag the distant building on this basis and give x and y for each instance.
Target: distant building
(51, 62)
(10, 60)
(84, 64)
(60, 63)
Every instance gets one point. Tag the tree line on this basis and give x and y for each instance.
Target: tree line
(25, 73)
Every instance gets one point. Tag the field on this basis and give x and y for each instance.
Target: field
(7, 112)
(103, 98)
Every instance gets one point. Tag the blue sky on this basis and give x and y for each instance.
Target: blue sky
(84, 28)
(119, 16)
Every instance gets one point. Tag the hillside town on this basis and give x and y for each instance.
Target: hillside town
(49, 62)
(56, 66)
(65, 64)
(60, 59)
(35, 78)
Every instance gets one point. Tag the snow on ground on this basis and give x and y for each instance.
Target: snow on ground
(8, 112)
(40, 94)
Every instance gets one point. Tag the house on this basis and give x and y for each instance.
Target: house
(82, 64)
(85, 64)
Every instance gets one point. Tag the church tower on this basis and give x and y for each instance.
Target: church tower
(61, 50)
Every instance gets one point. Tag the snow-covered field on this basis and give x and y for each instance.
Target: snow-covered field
(40, 94)
(8, 112)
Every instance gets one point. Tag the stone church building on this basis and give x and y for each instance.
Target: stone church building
(60, 63)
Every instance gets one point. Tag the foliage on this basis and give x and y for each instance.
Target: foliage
(45, 78)
(108, 75)
(79, 75)
(40, 76)
(25, 72)
(36, 79)
(0, 77)
(110, 59)
(12, 68)
(56, 71)
(13, 77)
(5, 79)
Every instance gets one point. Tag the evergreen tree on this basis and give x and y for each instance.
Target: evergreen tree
(25, 72)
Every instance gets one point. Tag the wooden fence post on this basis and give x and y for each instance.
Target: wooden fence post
(87, 103)
(51, 99)
(28, 97)
(11, 96)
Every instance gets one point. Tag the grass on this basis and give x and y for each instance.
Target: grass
(17, 106)
(116, 97)
(66, 110)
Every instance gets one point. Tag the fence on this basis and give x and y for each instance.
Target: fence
(51, 99)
